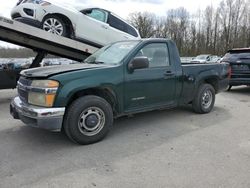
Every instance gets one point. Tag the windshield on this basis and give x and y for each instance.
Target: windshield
(112, 54)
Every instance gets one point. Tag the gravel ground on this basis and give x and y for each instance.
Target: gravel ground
(171, 148)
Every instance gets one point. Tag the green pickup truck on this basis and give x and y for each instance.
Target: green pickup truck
(120, 79)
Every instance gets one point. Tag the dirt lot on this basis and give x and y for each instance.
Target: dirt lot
(171, 148)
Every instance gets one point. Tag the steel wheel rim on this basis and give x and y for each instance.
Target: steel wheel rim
(207, 99)
(91, 112)
(54, 26)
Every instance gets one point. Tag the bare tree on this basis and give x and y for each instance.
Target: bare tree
(144, 22)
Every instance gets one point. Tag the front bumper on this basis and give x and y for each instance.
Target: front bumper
(29, 21)
(44, 118)
(240, 78)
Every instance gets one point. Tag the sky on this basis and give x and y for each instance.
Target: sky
(124, 7)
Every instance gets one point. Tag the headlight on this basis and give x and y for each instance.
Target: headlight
(44, 84)
(43, 92)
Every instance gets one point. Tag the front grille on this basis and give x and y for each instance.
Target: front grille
(23, 95)
(25, 81)
(22, 90)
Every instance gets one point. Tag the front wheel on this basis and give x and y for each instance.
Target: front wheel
(88, 119)
(204, 99)
(55, 25)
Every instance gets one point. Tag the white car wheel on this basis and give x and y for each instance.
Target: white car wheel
(54, 25)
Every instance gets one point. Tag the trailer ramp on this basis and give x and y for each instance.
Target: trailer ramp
(43, 42)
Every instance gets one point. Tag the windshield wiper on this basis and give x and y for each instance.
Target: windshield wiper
(94, 62)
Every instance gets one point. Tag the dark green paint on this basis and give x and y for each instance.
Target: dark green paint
(143, 89)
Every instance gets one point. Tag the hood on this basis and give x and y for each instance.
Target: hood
(70, 5)
(66, 5)
(44, 72)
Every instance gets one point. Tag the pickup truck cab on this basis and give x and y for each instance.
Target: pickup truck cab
(122, 78)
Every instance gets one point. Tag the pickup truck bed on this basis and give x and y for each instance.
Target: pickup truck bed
(203, 72)
(122, 78)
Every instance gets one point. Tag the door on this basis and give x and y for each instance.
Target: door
(92, 26)
(153, 86)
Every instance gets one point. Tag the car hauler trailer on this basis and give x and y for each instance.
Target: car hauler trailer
(42, 43)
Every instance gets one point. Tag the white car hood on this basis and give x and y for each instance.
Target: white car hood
(69, 6)
(65, 5)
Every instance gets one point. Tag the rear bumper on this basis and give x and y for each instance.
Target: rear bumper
(239, 81)
(240, 78)
(44, 118)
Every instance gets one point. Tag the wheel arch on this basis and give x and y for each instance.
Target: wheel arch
(104, 92)
(213, 81)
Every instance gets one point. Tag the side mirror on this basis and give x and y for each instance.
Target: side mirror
(141, 62)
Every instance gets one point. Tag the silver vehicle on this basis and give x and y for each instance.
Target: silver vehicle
(203, 58)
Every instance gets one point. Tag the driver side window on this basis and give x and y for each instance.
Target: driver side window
(98, 14)
(157, 54)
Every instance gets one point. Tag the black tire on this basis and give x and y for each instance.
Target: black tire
(204, 100)
(88, 119)
(47, 25)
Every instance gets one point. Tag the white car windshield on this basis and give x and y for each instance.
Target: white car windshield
(112, 54)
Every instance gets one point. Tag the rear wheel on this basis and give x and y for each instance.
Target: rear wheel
(55, 25)
(88, 119)
(204, 99)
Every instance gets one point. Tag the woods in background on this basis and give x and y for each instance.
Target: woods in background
(214, 30)
(16, 53)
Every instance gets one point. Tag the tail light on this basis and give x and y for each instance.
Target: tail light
(229, 72)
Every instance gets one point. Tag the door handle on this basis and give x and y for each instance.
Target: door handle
(168, 73)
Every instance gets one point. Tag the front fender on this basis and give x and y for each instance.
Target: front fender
(66, 92)
(71, 13)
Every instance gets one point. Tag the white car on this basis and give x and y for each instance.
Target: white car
(91, 25)
(203, 58)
